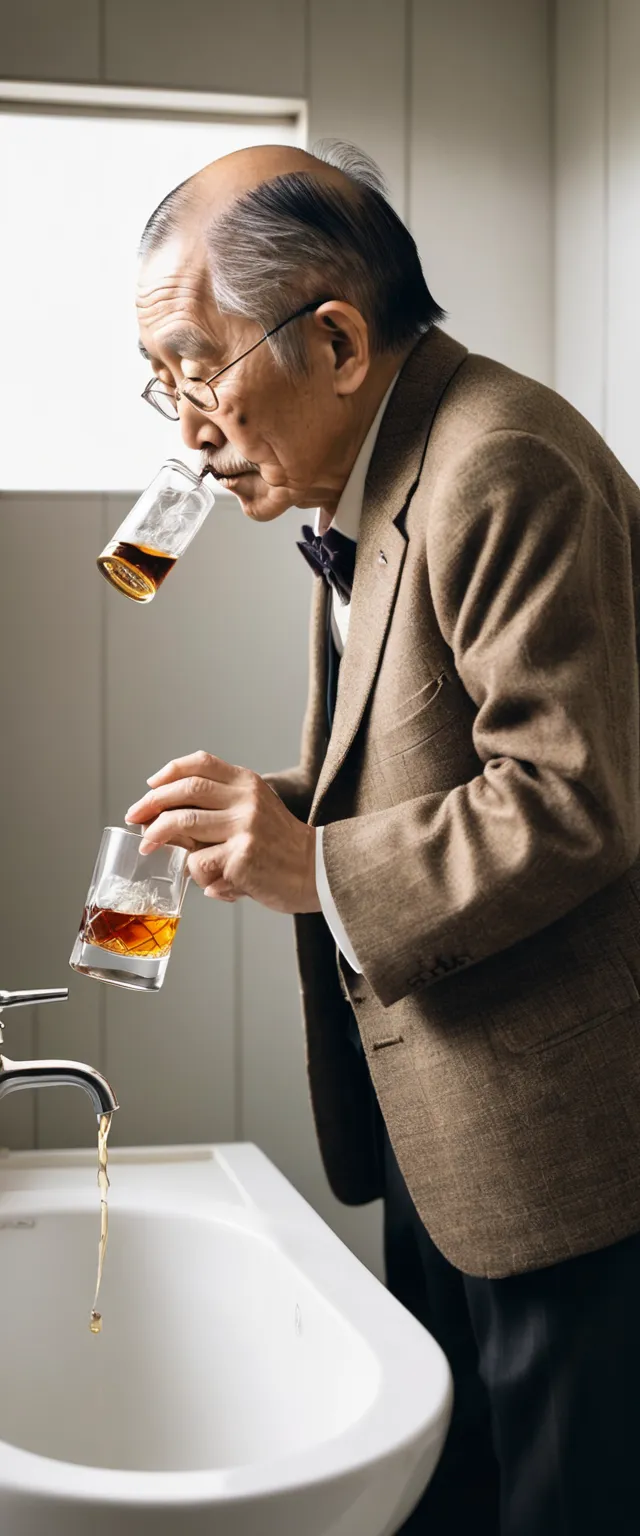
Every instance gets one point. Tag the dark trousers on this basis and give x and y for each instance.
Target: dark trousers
(545, 1435)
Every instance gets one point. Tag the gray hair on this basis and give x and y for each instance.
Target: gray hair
(299, 237)
(353, 162)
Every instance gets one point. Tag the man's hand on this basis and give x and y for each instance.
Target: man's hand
(243, 840)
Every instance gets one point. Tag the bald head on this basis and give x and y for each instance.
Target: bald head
(191, 207)
(217, 184)
(271, 228)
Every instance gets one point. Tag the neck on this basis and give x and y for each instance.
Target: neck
(365, 407)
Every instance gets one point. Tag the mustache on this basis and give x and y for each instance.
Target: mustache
(221, 465)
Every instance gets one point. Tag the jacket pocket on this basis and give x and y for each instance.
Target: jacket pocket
(566, 1001)
(420, 717)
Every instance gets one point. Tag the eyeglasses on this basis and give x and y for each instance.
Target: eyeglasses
(199, 391)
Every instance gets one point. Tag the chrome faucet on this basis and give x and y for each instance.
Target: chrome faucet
(51, 1074)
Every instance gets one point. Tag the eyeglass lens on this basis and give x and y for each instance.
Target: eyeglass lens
(164, 400)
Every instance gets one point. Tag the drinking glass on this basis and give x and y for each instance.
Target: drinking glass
(156, 531)
(132, 912)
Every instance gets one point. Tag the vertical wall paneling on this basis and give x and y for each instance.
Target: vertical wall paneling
(44, 41)
(50, 776)
(581, 205)
(357, 80)
(480, 205)
(597, 216)
(624, 234)
(252, 48)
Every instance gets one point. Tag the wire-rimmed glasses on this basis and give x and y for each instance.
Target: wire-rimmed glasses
(199, 392)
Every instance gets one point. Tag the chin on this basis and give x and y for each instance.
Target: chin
(265, 503)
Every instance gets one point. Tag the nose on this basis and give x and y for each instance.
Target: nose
(197, 430)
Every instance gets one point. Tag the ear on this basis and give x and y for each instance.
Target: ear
(342, 334)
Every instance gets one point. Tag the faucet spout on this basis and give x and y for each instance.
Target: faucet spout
(52, 1074)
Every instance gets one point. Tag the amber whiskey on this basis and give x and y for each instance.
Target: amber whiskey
(135, 570)
(129, 933)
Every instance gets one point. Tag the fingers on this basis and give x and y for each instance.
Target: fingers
(206, 867)
(177, 840)
(200, 764)
(186, 827)
(205, 794)
(220, 890)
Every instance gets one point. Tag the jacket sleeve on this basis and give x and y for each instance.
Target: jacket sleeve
(531, 579)
(294, 789)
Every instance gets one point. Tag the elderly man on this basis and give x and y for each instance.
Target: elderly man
(459, 841)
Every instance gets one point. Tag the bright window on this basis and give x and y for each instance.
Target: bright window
(77, 189)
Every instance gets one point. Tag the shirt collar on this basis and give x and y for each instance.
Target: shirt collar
(346, 518)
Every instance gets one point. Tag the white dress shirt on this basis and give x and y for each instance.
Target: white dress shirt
(346, 520)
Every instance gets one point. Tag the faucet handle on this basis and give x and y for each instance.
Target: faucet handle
(32, 999)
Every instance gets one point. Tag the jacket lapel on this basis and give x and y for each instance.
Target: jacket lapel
(393, 475)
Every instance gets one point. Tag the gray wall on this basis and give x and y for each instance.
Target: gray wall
(454, 101)
(597, 216)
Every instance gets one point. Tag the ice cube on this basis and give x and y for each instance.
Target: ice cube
(136, 897)
(167, 524)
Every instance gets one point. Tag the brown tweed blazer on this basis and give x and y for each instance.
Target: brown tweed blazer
(480, 794)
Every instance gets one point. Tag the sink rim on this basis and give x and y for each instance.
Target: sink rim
(414, 1391)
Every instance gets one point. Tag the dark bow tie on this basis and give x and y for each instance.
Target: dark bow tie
(331, 555)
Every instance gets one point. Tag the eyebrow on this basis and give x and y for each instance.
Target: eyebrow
(185, 342)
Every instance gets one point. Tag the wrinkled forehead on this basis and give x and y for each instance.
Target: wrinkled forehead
(176, 268)
(173, 287)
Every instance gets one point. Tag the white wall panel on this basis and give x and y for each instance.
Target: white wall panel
(479, 172)
(357, 73)
(44, 41)
(250, 47)
(51, 777)
(581, 205)
(622, 393)
(264, 588)
(598, 216)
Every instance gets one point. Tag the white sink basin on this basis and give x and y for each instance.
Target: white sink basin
(251, 1379)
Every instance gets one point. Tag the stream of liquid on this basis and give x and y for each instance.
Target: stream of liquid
(104, 1126)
